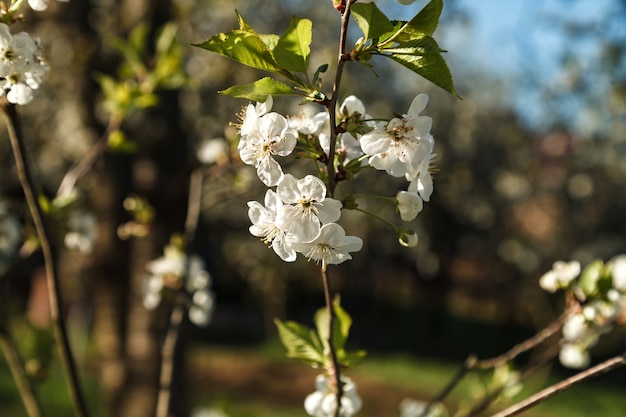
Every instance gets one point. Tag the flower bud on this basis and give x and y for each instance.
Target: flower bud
(407, 238)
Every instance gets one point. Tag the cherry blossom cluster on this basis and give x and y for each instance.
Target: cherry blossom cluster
(298, 216)
(174, 271)
(323, 402)
(599, 302)
(22, 65)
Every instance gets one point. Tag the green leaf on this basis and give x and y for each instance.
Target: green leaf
(293, 48)
(371, 20)
(423, 58)
(243, 25)
(426, 21)
(259, 90)
(341, 326)
(270, 40)
(245, 47)
(301, 342)
(423, 24)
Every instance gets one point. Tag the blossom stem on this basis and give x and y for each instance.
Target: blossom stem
(559, 387)
(332, 103)
(335, 371)
(374, 197)
(377, 217)
(170, 343)
(54, 291)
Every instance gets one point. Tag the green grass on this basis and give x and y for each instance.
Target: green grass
(390, 377)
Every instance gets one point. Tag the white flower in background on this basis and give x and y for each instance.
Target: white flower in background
(409, 205)
(264, 225)
(574, 356)
(414, 408)
(331, 247)
(306, 207)
(314, 125)
(352, 106)
(168, 272)
(323, 402)
(269, 136)
(400, 146)
(81, 233)
(40, 5)
(22, 66)
(560, 276)
(618, 272)
(213, 151)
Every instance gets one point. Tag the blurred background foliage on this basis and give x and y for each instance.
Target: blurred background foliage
(530, 169)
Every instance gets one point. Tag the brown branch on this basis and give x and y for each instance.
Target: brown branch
(54, 292)
(24, 387)
(178, 312)
(559, 387)
(335, 372)
(526, 345)
(472, 362)
(332, 103)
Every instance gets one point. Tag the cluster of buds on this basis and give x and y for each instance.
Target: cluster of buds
(175, 272)
(598, 298)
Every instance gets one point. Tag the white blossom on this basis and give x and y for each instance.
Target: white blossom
(82, 232)
(264, 225)
(323, 402)
(331, 247)
(306, 207)
(618, 272)
(40, 5)
(22, 66)
(400, 146)
(574, 356)
(213, 151)
(414, 408)
(409, 205)
(168, 272)
(560, 276)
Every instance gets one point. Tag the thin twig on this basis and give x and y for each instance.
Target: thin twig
(335, 371)
(467, 366)
(54, 292)
(24, 387)
(559, 387)
(89, 159)
(526, 345)
(472, 362)
(178, 311)
(332, 103)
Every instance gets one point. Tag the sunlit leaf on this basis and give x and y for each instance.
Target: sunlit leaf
(341, 325)
(301, 342)
(371, 19)
(423, 58)
(259, 90)
(293, 48)
(244, 47)
(426, 21)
